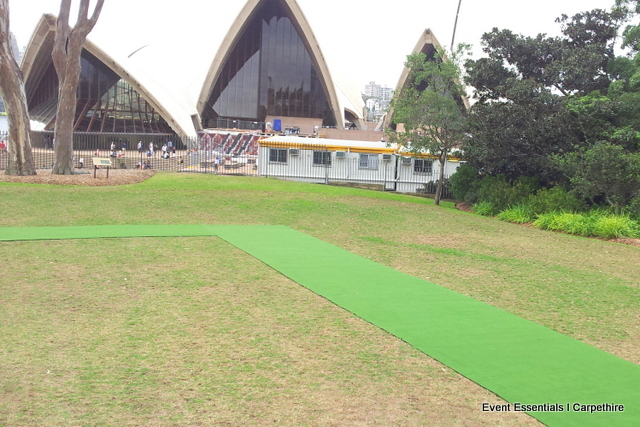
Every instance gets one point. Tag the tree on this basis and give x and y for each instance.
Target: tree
(67, 48)
(431, 108)
(540, 96)
(514, 137)
(605, 171)
(15, 100)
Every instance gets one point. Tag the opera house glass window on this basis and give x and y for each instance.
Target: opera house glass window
(269, 72)
(105, 102)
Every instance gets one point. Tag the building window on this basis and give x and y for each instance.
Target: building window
(278, 155)
(322, 158)
(270, 72)
(368, 161)
(423, 166)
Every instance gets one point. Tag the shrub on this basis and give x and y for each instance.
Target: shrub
(497, 191)
(594, 224)
(633, 208)
(566, 222)
(524, 187)
(604, 170)
(485, 209)
(544, 221)
(465, 183)
(613, 226)
(554, 199)
(519, 214)
(502, 195)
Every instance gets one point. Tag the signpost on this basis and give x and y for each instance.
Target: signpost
(99, 162)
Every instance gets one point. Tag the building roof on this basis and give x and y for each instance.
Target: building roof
(427, 44)
(174, 69)
(288, 141)
(329, 144)
(236, 30)
(37, 59)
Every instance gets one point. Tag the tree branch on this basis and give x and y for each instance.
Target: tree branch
(86, 24)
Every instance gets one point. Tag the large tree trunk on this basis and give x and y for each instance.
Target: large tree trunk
(63, 136)
(15, 101)
(67, 49)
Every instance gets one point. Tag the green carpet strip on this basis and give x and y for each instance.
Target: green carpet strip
(518, 360)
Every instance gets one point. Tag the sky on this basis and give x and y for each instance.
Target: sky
(361, 40)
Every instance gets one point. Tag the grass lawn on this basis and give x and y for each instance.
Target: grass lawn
(192, 331)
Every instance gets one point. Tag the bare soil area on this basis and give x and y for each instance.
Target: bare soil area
(116, 177)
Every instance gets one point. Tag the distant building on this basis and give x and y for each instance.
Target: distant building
(377, 99)
(380, 92)
(388, 166)
(109, 99)
(267, 72)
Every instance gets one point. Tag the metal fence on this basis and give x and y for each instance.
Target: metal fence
(223, 153)
(235, 153)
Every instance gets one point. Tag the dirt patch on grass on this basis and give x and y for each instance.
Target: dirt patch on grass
(116, 177)
(627, 241)
(465, 207)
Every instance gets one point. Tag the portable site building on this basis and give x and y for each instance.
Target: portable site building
(378, 164)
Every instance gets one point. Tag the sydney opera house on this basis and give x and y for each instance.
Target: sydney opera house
(267, 73)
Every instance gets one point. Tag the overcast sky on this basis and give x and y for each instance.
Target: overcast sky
(364, 39)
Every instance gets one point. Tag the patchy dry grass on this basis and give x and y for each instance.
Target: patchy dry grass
(208, 322)
(193, 331)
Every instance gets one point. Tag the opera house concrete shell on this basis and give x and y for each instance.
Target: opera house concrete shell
(109, 98)
(427, 44)
(268, 70)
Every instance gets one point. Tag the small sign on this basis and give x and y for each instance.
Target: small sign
(99, 161)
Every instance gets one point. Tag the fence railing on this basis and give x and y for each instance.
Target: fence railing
(381, 171)
(240, 154)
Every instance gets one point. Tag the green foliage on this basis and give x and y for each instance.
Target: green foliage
(525, 186)
(605, 170)
(594, 114)
(502, 195)
(633, 208)
(485, 209)
(497, 191)
(567, 222)
(596, 223)
(613, 226)
(519, 214)
(554, 199)
(465, 183)
(515, 137)
(431, 108)
(543, 96)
